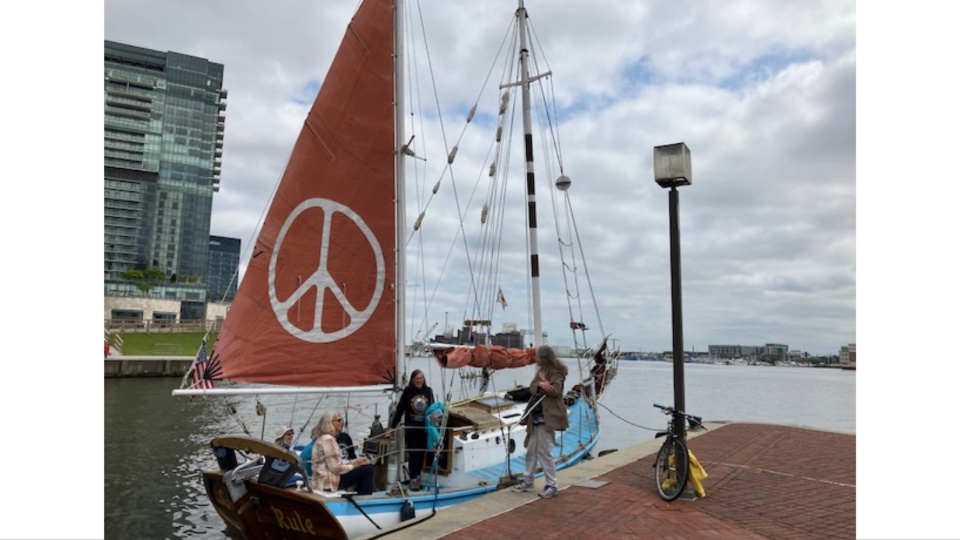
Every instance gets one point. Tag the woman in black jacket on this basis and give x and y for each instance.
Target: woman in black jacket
(414, 400)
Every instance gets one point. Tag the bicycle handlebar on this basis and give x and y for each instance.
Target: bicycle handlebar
(667, 410)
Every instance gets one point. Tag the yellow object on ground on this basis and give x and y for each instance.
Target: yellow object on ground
(671, 479)
(697, 473)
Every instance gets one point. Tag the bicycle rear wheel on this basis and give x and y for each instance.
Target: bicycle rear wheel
(672, 469)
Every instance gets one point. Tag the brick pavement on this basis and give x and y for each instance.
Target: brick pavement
(764, 482)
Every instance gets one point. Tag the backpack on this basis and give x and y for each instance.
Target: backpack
(276, 472)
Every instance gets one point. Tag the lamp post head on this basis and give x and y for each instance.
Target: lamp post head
(671, 165)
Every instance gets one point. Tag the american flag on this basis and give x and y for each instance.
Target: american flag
(501, 299)
(199, 377)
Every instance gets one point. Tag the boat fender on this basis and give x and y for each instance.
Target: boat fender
(407, 510)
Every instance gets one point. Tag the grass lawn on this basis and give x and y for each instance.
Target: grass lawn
(165, 344)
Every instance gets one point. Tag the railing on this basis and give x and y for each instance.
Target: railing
(160, 325)
(113, 339)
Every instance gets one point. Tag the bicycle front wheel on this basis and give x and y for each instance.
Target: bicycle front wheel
(672, 469)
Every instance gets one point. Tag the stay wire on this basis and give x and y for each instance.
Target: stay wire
(609, 410)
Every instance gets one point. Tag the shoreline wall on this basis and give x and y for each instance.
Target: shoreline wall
(146, 366)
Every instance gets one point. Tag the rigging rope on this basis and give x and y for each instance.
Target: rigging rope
(618, 417)
(485, 250)
(232, 411)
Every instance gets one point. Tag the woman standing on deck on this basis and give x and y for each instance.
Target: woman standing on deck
(414, 400)
(545, 414)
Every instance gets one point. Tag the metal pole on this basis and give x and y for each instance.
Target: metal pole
(400, 187)
(531, 191)
(678, 391)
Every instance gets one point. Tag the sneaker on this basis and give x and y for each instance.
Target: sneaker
(415, 484)
(522, 486)
(549, 492)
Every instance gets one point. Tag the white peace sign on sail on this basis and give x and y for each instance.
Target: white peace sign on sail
(322, 280)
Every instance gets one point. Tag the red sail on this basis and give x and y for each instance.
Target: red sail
(494, 357)
(317, 306)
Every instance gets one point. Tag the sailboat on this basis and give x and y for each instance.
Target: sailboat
(322, 309)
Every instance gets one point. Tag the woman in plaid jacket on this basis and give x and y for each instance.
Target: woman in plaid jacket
(332, 470)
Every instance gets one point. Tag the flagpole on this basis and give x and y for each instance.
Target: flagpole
(193, 365)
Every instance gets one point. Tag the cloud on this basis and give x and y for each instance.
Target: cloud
(764, 95)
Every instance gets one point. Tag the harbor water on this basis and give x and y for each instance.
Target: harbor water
(155, 444)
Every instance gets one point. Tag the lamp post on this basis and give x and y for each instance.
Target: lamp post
(671, 168)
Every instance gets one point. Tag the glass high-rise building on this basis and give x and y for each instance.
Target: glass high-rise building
(222, 268)
(162, 146)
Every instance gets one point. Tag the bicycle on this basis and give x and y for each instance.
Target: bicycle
(672, 467)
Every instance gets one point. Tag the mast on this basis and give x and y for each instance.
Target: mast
(531, 196)
(401, 281)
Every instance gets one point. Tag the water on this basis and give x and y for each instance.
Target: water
(806, 397)
(154, 444)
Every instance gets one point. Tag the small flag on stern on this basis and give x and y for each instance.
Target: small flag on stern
(199, 374)
(502, 300)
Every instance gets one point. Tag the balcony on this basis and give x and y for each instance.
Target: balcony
(113, 109)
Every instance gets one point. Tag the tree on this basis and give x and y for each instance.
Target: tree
(133, 275)
(143, 286)
(154, 274)
(144, 279)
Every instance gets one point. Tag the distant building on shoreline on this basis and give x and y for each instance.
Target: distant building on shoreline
(163, 130)
(222, 268)
(848, 355)
(162, 146)
(773, 351)
(157, 303)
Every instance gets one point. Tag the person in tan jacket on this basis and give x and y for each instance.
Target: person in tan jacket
(545, 414)
(332, 470)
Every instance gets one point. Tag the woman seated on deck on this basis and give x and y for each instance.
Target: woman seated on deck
(332, 470)
(343, 439)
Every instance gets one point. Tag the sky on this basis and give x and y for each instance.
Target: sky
(790, 157)
(762, 93)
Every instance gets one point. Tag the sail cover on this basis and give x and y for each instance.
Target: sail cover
(317, 305)
(492, 357)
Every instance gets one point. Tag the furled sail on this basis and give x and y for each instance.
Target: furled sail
(317, 305)
(492, 357)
